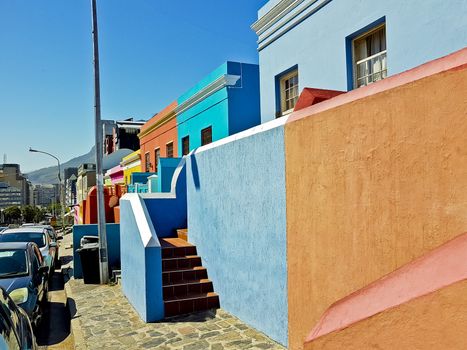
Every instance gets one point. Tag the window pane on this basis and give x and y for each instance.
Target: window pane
(289, 92)
(170, 150)
(206, 136)
(370, 57)
(185, 145)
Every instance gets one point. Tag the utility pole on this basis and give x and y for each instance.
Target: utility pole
(103, 257)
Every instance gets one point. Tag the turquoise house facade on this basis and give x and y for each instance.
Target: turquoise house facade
(223, 103)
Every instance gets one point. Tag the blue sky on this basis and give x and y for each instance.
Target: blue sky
(151, 51)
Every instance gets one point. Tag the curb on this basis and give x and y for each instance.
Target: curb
(75, 324)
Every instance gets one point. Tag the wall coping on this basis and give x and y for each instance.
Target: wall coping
(145, 227)
(243, 134)
(434, 270)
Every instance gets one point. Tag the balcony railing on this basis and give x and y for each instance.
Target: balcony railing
(371, 69)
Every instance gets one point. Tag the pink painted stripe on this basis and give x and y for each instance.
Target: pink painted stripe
(439, 268)
(449, 62)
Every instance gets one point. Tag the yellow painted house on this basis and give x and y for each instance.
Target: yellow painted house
(131, 164)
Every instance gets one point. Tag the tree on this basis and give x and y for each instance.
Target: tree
(12, 214)
(29, 213)
(39, 214)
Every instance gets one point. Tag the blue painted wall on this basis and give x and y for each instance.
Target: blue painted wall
(113, 245)
(416, 32)
(168, 211)
(237, 219)
(244, 104)
(228, 110)
(140, 178)
(166, 168)
(141, 259)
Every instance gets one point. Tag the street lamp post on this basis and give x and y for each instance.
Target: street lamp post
(101, 228)
(62, 205)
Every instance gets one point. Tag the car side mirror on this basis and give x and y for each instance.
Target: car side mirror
(59, 238)
(52, 244)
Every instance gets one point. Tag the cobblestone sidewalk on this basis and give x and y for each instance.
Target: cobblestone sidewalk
(105, 320)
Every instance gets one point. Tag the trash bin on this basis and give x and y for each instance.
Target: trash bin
(89, 256)
(88, 239)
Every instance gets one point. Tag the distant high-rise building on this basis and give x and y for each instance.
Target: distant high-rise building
(11, 175)
(44, 195)
(9, 196)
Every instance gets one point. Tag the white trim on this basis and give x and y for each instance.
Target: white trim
(243, 134)
(216, 85)
(145, 227)
(278, 29)
(279, 11)
(132, 164)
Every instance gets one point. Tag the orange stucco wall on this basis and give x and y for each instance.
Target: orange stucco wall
(434, 321)
(159, 137)
(371, 185)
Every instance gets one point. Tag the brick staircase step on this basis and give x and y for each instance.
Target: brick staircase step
(178, 252)
(191, 303)
(187, 288)
(182, 233)
(182, 275)
(180, 262)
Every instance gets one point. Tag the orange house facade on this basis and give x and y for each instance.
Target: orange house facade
(158, 138)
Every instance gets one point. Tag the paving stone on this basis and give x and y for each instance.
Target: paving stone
(200, 345)
(108, 321)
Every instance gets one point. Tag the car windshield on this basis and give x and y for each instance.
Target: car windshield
(36, 237)
(13, 262)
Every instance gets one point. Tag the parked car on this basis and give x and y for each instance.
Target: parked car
(2, 228)
(38, 235)
(15, 328)
(23, 276)
(53, 236)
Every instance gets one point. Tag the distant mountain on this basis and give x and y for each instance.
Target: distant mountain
(48, 175)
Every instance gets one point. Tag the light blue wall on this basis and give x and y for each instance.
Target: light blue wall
(228, 110)
(113, 245)
(236, 218)
(141, 260)
(417, 31)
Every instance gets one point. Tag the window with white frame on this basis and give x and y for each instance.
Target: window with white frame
(288, 92)
(369, 57)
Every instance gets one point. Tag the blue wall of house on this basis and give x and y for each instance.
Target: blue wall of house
(227, 111)
(236, 217)
(168, 211)
(141, 259)
(244, 105)
(416, 32)
(113, 245)
(167, 167)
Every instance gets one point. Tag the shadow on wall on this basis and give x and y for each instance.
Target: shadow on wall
(194, 170)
